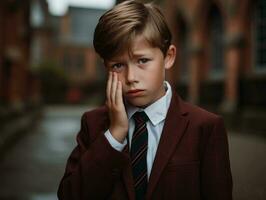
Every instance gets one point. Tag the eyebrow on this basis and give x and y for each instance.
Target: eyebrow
(113, 61)
(137, 54)
(141, 54)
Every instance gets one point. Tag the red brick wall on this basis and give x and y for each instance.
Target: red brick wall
(15, 51)
(195, 14)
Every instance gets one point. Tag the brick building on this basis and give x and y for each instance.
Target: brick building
(63, 44)
(75, 49)
(216, 44)
(17, 83)
(221, 56)
(42, 33)
(221, 60)
(72, 50)
(19, 86)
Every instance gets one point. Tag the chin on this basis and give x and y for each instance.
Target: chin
(139, 103)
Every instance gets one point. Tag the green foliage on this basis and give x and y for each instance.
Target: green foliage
(54, 82)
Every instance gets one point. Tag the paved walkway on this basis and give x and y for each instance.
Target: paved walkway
(33, 168)
(248, 163)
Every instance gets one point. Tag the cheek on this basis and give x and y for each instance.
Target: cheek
(121, 77)
(156, 77)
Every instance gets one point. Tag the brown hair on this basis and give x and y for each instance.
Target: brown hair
(118, 27)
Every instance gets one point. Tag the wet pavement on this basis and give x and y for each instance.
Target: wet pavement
(32, 169)
(248, 163)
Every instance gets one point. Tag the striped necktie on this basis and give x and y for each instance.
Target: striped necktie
(138, 154)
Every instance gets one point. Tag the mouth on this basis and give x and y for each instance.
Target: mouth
(135, 93)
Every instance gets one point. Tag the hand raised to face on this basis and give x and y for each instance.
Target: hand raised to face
(117, 113)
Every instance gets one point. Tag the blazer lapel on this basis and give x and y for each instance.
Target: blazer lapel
(174, 127)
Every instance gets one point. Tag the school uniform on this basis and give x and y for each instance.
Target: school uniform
(187, 156)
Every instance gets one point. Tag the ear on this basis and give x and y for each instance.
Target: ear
(170, 57)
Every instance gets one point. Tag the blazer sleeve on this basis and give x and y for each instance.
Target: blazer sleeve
(92, 168)
(215, 166)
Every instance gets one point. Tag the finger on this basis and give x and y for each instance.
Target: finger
(118, 98)
(108, 88)
(113, 88)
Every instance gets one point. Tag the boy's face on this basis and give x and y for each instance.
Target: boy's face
(142, 74)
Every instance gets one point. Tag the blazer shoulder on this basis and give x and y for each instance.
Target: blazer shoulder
(96, 112)
(95, 117)
(193, 112)
(93, 123)
(200, 115)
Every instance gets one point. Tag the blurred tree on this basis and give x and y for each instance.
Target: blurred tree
(54, 82)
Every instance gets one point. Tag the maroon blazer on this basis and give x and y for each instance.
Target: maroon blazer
(191, 163)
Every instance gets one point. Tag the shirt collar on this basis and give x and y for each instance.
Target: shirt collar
(156, 111)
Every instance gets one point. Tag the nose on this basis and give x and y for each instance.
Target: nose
(131, 74)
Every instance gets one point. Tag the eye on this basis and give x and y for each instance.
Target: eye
(143, 60)
(117, 67)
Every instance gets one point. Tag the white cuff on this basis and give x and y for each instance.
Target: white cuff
(114, 143)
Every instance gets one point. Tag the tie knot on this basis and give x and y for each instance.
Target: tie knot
(140, 117)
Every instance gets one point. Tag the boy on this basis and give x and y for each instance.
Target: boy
(146, 143)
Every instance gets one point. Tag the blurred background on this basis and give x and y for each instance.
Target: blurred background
(50, 75)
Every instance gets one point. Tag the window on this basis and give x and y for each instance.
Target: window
(80, 61)
(260, 35)
(36, 16)
(183, 55)
(66, 61)
(216, 43)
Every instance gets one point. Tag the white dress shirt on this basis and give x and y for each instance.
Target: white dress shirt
(157, 114)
